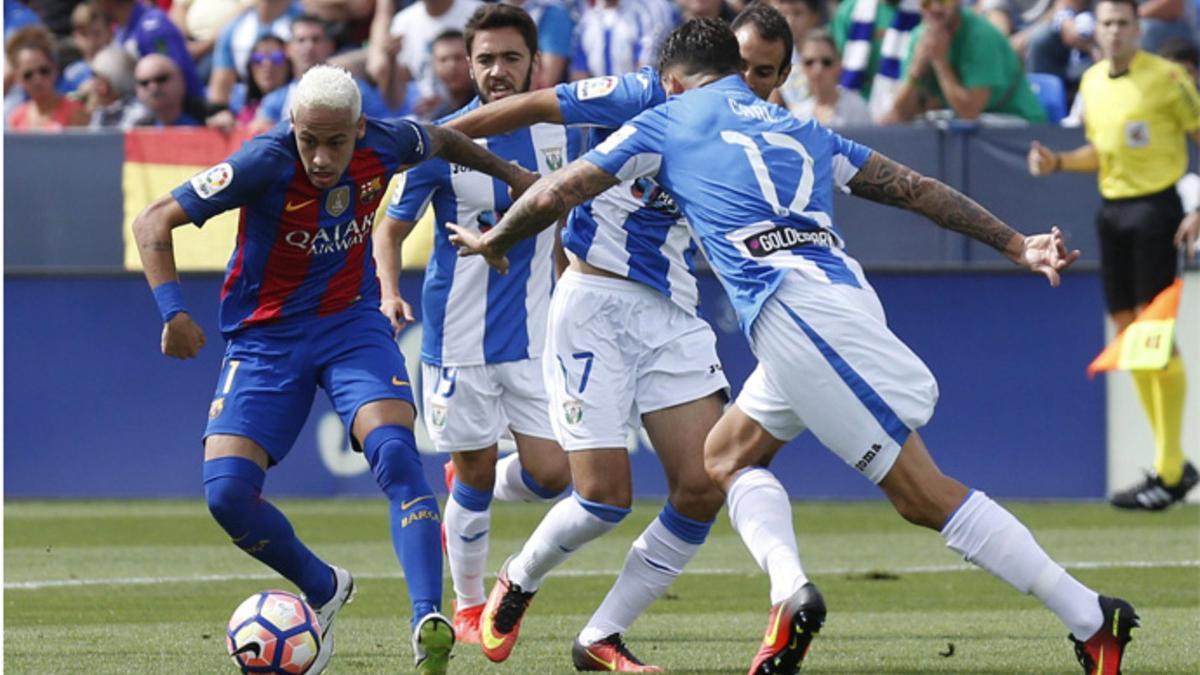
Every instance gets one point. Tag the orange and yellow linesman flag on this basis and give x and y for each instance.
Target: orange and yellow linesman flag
(1147, 342)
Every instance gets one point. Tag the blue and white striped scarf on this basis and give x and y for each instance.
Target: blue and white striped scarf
(856, 52)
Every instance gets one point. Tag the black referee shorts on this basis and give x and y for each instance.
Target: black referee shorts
(1138, 258)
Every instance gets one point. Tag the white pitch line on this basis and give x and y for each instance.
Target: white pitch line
(712, 571)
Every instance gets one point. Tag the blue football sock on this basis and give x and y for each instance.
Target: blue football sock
(233, 488)
(416, 524)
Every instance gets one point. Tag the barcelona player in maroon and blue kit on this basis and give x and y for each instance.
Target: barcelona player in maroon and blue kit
(300, 309)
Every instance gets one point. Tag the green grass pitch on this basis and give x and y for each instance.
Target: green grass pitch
(146, 587)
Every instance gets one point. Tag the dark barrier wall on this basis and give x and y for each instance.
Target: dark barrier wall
(988, 165)
(92, 409)
(63, 205)
(49, 226)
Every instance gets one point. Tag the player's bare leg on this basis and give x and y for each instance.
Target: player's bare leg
(383, 429)
(984, 533)
(601, 499)
(234, 470)
(544, 470)
(736, 455)
(662, 550)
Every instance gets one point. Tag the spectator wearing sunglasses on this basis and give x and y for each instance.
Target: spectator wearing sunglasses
(30, 54)
(231, 57)
(828, 102)
(801, 16)
(160, 87)
(145, 29)
(110, 94)
(269, 70)
(311, 44)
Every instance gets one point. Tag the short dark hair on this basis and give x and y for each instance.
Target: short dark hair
(1132, 5)
(315, 20)
(492, 17)
(701, 46)
(1180, 49)
(448, 34)
(770, 26)
(814, 6)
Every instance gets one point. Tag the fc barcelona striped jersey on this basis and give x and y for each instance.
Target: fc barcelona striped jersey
(301, 251)
(471, 314)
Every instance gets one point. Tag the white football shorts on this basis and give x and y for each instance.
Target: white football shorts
(829, 363)
(616, 350)
(468, 408)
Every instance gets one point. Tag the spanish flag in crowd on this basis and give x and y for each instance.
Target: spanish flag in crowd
(1146, 344)
(159, 160)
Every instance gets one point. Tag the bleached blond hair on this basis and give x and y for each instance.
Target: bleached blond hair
(327, 87)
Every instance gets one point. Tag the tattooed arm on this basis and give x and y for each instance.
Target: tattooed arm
(543, 204)
(887, 182)
(453, 146)
(181, 337)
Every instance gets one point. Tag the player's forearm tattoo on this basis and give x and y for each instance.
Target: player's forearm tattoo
(887, 182)
(163, 245)
(453, 146)
(549, 200)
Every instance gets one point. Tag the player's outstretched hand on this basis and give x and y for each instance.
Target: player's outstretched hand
(1187, 237)
(397, 311)
(470, 243)
(182, 338)
(1047, 255)
(1041, 160)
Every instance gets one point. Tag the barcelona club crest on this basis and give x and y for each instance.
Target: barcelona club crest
(369, 191)
(338, 200)
(573, 411)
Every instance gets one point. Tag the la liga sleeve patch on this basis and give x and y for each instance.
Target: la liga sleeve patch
(211, 181)
(595, 87)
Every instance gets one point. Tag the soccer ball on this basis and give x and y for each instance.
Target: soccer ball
(273, 632)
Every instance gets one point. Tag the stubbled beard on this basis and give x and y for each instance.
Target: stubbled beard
(484, 98)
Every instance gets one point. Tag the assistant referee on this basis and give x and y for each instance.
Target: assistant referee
(1138, 111)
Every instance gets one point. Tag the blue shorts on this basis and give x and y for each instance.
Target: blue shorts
(270, 375)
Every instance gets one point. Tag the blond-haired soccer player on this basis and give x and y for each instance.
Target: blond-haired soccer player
(300, 309)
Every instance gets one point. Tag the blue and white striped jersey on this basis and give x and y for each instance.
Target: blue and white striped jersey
(619, 40)
(732, 162)
(633, 229)
(471, 314)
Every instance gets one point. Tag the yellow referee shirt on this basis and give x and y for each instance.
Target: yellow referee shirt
(1137, 122)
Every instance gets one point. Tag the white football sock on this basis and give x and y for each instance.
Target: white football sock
(466, 550)
(654, 561)
(510, 487)
(761, 513)
(564, 529)
(991, 537)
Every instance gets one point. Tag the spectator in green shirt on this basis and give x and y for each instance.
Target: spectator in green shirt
(958, 60)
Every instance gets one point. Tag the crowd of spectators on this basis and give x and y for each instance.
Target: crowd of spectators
(232, 64)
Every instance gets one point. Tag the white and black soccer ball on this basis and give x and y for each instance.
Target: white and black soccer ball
(273, 632)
